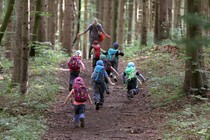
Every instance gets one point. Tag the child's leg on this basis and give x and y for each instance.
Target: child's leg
(76, 115)
(106, 86)
(102, 89)
(82, 115)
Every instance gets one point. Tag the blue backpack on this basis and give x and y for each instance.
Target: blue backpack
(112, 55)
(98, 74)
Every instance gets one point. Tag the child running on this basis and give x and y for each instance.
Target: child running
(97, 51)
(113, 57)
(99, 74)
(131, 80)
(79, 92)
(108, 68)
(74, 65)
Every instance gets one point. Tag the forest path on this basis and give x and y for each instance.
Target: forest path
(118, 119)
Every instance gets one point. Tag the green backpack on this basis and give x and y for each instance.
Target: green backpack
(130, 72)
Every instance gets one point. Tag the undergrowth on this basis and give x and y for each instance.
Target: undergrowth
(22, 117)
(165, 77)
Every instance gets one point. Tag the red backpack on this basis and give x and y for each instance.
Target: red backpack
(74, 63)
(97, 51)
(80, 90)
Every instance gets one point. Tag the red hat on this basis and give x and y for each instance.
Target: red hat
(95, 42)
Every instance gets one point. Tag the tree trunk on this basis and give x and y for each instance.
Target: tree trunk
(42, 36)
(193, 65)
(156, 30)
(120, 24)
(25, 49)
(18, 43)
(144, 25)
(60, 22)
(130, 21)
(107, 23)
(85, 36)
(37, 18)
(6, 18)
(177, 13)
(67, 41)
(51, 22)
(114, 20)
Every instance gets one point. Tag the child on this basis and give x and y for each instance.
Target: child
(131, 80)
(96, 52)
(113, 54)
(79, 92)
(99, 74)
(74, 65)
(108, 68)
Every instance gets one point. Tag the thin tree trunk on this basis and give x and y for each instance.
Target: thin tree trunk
(6, 18)
(177, 13)
(18, 43)
(156, 30)
(37, 18)
(130, 21)
(42, 36)
(114, 20)
(60, 26)
(120, 24)
(25, 50)
(107, 23)
(144, 25)
(85, 36)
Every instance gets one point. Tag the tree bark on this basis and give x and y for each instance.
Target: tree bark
(85, 36)
(114, 21)
(18, 43)
(144, 25)
(107, 23)
(6, 18)
(37, 18)
(193, 77)
(120, 24)
(25, 50)
(67, 39)
(130, 21)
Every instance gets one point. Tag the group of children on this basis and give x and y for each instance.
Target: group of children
(105, 66)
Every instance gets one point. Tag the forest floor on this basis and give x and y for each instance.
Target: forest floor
(118, 119)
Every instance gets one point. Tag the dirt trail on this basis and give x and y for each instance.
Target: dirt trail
(117, 119)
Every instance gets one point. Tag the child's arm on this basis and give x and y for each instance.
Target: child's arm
(114, 70)
(68, 97)
(141, 76)
(83, 66)
(110, 81)
(90, 99)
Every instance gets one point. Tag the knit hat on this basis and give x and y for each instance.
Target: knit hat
(115, 44)
(100, 62)
(95, 42)
(78, 52)
(102, 56)
(131, 64)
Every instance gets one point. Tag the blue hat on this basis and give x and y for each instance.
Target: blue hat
(100, 62)
(131, 64)
(115, 44)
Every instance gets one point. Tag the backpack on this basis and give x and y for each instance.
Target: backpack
(98, 74)
(80, 90)
(130, 72)
(107, 64)
(97, 51)
(74, 63)
(112, 55)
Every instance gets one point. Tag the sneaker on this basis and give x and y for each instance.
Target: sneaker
(115, 78)
(111, 75)
(131, 93)
(97, 106)
(129, 98)
(82, 122)
(107, 92)
(76, 125)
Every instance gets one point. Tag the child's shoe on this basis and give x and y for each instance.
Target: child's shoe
(115, 78)
(82, 122)
(76, 125)
(131, 93)
(107, 92)
(97, 105)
